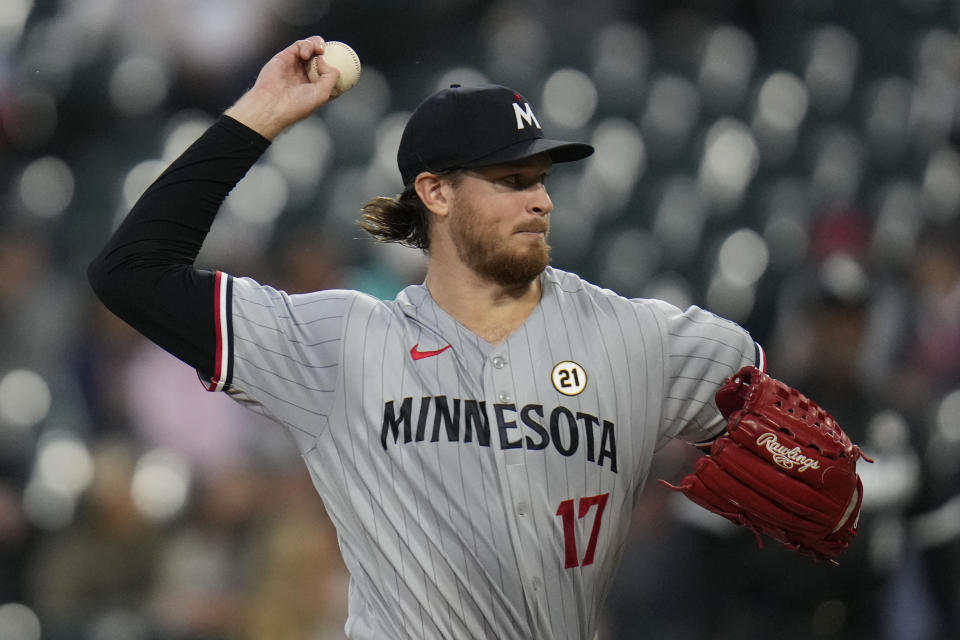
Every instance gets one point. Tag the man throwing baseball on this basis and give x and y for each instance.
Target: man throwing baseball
(481, 440)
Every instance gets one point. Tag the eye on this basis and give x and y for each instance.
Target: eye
(521, 181)
(514, 180)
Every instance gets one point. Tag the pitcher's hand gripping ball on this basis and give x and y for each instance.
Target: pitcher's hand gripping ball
(784, 468)
(344, 58)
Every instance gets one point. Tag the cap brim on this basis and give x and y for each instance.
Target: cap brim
(559, 151)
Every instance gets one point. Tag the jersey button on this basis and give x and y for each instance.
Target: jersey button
(537, 584)
(499, 362)
(503, 397)
(522, 508)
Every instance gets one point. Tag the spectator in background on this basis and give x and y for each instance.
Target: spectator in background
(932, 356)
(98, 573)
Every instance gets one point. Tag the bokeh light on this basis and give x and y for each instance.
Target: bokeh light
(743, 257)
(730, 161)
(13, 17)
(679, 219)
(18, 622)
(621, 54)
(138, 85)
(670, 114)
(388, 140)
(569, 98)
(941, 184)
(618, 162)
(948, 417)
(248, 217)
(161, 484)
(944, 443)
(64, 463)
(46, 187)
(25, 398)
(780, 110)
(844, 278)
(898, 225)
(727, 66)
(782, 102)
(832, 65)
(932, 109)
(222, 33)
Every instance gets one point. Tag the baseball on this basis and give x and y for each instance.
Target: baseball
(344, 58)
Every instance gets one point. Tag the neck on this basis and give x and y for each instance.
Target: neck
(489, 309)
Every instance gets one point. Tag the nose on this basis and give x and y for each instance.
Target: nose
(540, 202)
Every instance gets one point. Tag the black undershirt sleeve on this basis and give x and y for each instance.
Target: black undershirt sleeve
(146, 275)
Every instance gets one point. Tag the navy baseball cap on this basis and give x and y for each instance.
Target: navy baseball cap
(469, 127)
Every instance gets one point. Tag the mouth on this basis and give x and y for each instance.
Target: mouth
(535, 231)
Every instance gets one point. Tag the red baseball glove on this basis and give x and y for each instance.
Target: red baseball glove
(784, 468)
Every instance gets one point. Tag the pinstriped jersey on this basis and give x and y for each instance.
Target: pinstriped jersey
(479, 490)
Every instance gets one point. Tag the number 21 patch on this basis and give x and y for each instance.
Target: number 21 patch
(569, 378)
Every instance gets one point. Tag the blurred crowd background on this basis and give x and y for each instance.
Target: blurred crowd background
(792, 165)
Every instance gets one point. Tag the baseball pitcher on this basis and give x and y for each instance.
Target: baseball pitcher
(480, 441)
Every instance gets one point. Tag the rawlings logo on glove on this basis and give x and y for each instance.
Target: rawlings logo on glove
(787, 459)
(784, 468)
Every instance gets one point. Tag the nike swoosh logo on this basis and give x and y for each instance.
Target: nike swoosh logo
(420, 355)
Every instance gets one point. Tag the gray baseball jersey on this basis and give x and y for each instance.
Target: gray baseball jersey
(478, 490)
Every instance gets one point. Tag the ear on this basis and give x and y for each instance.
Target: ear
(435, 192)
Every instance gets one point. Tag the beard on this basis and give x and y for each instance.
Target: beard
(491, 257)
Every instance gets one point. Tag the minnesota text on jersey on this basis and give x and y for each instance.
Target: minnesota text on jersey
(560, 426)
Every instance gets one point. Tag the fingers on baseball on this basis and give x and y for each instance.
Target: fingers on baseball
(319, 71)
(308, 47)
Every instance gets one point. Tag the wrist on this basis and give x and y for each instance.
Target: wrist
(258, 114)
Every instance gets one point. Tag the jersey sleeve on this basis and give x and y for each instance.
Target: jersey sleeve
(702, 351)
(145, 273)
(279, 354)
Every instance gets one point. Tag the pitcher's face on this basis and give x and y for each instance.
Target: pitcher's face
(501, 219)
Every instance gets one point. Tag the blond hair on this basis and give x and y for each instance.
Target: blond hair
(402, 219)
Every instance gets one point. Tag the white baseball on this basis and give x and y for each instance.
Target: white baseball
(344, 58)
